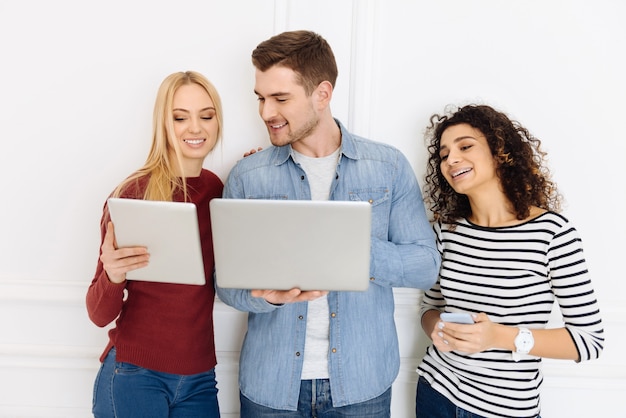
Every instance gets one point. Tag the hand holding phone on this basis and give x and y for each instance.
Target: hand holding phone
(457, 317)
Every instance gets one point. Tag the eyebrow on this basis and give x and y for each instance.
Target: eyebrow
(185, 110)
(277, 94)
(460, 138)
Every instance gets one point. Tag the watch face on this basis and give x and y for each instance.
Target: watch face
(524, 341)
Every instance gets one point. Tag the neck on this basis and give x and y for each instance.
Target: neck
(193, 171)
(190, 168)
(492, 210)
(322, 142)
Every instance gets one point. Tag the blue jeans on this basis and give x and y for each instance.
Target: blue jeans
(123, 390)
(316, 402)
(431, 404)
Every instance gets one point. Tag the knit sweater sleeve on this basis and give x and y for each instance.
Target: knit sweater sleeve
(104, 298)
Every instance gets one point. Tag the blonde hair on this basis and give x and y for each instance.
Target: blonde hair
(163, 177)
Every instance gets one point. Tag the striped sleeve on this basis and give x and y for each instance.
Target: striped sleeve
(571, 285)
(432, 298)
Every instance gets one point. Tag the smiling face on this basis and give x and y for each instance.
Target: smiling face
(288, 112)
(466, 160)
(195, 126)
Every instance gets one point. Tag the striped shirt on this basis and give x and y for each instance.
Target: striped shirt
(513, 274)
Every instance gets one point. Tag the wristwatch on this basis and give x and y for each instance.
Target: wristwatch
(524, 342)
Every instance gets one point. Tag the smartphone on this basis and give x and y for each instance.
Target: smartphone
(457, 317)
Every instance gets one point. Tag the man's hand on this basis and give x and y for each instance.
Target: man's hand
(252, 151)
(278, 297)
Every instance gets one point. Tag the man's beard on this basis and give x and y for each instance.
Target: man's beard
(300, 134)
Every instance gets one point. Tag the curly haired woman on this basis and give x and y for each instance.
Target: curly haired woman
(507, 256)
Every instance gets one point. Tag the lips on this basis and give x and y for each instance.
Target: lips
(194, 141)
(277, 126)
(460, 172)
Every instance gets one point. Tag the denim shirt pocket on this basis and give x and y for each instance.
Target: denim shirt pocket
(379, 198)
(374, 195)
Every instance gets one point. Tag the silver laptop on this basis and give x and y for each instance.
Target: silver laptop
(282, 244)
(170, 232)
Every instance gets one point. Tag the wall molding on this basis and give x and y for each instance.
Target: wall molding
(46, 291)
(363, 68)
(49, 356)
(281, 15)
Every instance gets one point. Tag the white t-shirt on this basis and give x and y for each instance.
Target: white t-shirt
(320, 173)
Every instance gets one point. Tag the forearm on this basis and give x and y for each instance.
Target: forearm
(430, 319)
(242, 300)
(553, 343)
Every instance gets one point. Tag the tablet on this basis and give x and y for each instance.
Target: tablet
(282, 244)
(170, 232)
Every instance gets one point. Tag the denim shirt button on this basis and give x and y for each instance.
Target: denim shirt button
(300, 317)
(332, 315)
(297, 354)
(372, 279)
(334, 350)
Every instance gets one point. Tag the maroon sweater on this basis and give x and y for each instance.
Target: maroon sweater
(160, 326)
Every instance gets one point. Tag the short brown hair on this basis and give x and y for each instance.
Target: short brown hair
(305, 52)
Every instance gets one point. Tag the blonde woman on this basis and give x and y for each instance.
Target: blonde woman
(160, 359)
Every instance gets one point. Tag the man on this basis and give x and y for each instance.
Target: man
(315, 353)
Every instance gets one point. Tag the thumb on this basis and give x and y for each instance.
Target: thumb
(480, 317)
(109, 236)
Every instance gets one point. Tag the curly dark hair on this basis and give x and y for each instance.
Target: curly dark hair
(517, 154)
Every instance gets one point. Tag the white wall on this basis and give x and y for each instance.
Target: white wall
(77, 86)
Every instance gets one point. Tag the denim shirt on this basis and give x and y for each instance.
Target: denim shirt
(364, 357)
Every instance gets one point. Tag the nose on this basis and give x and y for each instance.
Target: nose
(194, 125)
(266, 110)
(453, 158)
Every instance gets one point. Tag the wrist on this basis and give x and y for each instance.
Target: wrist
(524, 342)
(506, 337)
(115, 280)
